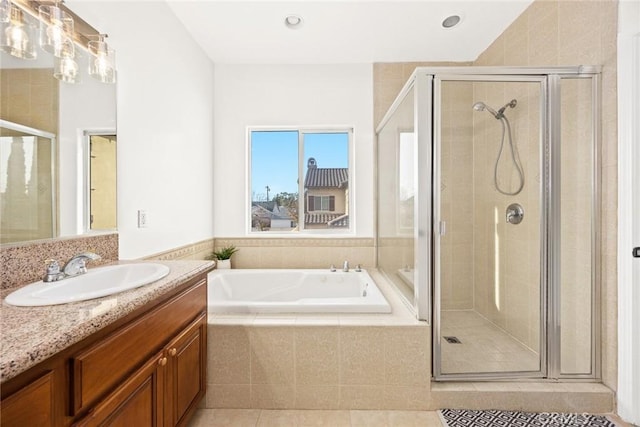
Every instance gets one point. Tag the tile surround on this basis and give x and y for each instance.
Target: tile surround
(299, 252)
(195, 251)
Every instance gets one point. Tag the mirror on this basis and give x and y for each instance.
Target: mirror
(45, 149)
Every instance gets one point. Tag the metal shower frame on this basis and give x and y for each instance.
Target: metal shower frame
(424, 82)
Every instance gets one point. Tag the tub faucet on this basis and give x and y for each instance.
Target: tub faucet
(77, 264)
(345, 266)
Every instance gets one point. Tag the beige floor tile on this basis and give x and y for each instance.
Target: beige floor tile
(369, 419)
(225, 418)
(273, 418)
(324, 418)
(414, 419)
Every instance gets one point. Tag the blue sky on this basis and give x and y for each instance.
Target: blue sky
(274, 157)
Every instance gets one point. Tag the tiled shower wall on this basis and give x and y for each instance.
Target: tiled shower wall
(572, 33)
(507, 256)
(457, 204)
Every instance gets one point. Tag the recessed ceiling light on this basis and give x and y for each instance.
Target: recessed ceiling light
(293, 21)
(451, 21)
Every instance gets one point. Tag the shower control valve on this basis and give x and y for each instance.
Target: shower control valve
(515, 214)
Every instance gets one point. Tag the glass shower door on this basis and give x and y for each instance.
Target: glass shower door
(488, 243)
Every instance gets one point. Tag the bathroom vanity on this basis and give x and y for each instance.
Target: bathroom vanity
(137, 358)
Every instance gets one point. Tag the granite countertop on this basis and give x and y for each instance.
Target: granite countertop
(32, 334)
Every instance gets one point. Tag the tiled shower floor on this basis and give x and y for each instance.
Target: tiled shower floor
(484, 347)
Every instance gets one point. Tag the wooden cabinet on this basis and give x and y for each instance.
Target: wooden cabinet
(32, 405)
(186, 372)
(137, 402)
(164, 390)
(147, 370)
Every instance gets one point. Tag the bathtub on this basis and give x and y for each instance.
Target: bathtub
(294, 291)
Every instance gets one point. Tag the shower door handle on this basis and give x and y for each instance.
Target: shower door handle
(636, 252)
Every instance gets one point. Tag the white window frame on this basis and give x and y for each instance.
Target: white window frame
(85, 191)
(303, 232)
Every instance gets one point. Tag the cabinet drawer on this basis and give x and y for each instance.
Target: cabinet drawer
(102, 366)
(137, 402)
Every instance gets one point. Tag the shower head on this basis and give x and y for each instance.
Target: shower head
(481, 106)
(511, 104)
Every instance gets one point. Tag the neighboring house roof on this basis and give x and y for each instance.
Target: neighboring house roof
(333, 220)
(265, 205)
(277, 212)
(326, 178)
(340, 222)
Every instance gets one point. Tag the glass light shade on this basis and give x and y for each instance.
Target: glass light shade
(5, 11)
(16, 36)
(102, 63)
(66, 68)
(56, 27)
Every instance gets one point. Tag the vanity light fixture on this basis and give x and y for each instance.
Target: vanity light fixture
(16, 37)
(56, 28)
(62, 32)
(65, 67)
(451, 21)
(293, 22)
(102, 60)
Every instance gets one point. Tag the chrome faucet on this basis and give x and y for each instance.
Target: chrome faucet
(53, 273)
(345, 266)
(75, 266)
(78, 264)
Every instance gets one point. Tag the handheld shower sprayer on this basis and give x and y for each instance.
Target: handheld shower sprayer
(506, 130)
(481, 106)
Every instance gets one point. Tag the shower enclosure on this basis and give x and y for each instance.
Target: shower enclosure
(27, 183)
(488, 213)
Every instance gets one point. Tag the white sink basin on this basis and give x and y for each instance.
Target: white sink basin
(97, 282)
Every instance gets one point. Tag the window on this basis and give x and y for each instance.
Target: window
(321, 203)
(289, 162)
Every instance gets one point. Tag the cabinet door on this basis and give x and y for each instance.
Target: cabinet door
(186, 382)
(137, 402)
(30, 406)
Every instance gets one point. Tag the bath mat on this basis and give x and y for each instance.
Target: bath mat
(468, 418)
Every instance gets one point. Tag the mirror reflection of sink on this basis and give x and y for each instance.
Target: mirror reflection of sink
(97, 282)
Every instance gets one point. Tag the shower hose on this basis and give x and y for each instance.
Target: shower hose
(515, 157)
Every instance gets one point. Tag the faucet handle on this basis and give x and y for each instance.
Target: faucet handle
(358, 268)
(332, 268)
(53, 272)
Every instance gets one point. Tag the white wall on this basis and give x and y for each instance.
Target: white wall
(165, 125)
(288, 95)
(628, 393)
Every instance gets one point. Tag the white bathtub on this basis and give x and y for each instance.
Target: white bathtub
(294, 291)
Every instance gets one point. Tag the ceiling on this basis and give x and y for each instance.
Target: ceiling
(334, 32)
